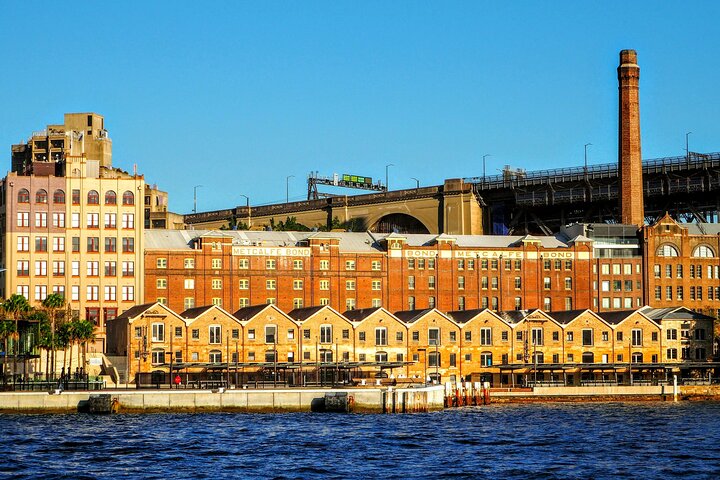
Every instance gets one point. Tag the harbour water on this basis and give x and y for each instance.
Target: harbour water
(596, 440)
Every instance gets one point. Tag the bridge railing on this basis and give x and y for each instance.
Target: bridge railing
(605, 170)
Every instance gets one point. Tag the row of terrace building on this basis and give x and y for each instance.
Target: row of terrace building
(318, 344)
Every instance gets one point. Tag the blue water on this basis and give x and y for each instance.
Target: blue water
(584, 441)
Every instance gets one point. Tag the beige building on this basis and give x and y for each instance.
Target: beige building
(73, 224)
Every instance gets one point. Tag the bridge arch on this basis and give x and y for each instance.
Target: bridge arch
(397, 222)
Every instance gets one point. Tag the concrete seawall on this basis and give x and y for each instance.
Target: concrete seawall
(381, 400)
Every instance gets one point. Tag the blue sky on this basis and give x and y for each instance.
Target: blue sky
(236, 96)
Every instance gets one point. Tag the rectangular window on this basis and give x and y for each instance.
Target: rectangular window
(216, 263)
(128, 269)
(376, 265)
(128, 221)
(324, 284)
(216, 284)
(93, 220)
(587, 337)
(461, 283)
(110, 220)
(324, 264)
(189, 263)
(381, 338)
(411, 263)
(434, 336)
(270, 264)
(58, 220)
(189, 302)
(161, 283)
(110, 244)
(376, 285)
(349, 264)
(128, 244)
(93, 292)
(110, 293)
(23, 219)
(537, 336)
(128, 293)
(93, 268)
(349, 284)
(58, 268)
(214, 334)
(161, 263)
(485, 336)
(41, 219)
(41, 244)
(41, 268)
(243, 264)
(110, 269)
(411, 282)
(270, 284)
(431, 282)
(636, 337)
(270, 333)
(75, 268)
(93, 244)
(297, 284)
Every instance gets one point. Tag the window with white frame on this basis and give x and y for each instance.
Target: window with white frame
(158, 332)
(92, 293)
(128, 293)
(214, 332)
(110, 293)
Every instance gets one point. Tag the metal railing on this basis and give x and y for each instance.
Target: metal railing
(606, 170)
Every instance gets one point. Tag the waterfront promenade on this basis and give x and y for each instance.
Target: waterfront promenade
(360, 400)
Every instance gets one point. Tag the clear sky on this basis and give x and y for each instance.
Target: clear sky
(236, 96)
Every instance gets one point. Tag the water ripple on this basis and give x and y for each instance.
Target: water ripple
(548, 441)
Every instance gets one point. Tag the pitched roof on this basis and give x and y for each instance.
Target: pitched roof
(246, 313)
(304, 313)
(614, 318)
(195, 312)
(360, 314)
(464, 316)
(567, 316)
(133, 312)
(674, 313)
(409, 316)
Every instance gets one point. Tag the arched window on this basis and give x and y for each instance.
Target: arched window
(588, 357)
(703, 251)
(93, 197)
(637, 357)
(59, 196)
(215, 356)
(110, 198)
(667, 250)
(381, 356)
(486, 359)
(128, 198)
(538, 357)
(41, 196)
(23, 196)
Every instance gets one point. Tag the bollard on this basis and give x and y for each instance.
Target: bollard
(675, 388)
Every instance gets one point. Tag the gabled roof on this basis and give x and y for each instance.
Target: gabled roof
(673, 313)
(301, 314)
(514, 317)
(138, 310)
(246, 313)
(133, 312)
(614, 318)
(409, 316)
(195, 312)
(568, 316)
(464, 316)
(360, 314)
(192, 314)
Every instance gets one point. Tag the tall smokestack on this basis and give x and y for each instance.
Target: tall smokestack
(629, 153)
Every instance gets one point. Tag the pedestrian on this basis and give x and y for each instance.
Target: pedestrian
(178, 380)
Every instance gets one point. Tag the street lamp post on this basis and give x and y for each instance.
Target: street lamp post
(417, 182)
(247, 206)
(687, 147)
(484, 157)
(195, 197)
(287, 188)
(586, 145)
(387, 184)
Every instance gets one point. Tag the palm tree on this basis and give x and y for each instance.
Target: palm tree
(84, 332)
(7, 330)
(16, 306)
(54, 304)
(62, 339)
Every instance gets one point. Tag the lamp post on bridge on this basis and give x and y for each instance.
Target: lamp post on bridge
(287, 188)
(387, 183)
(195, 197)
(484, 157)
(687, 148)
(247, 205)
(417, 182)
(586, 170)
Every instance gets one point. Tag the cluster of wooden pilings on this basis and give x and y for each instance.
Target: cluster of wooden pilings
(463, 394)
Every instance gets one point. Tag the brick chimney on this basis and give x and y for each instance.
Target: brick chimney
(629, 153)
